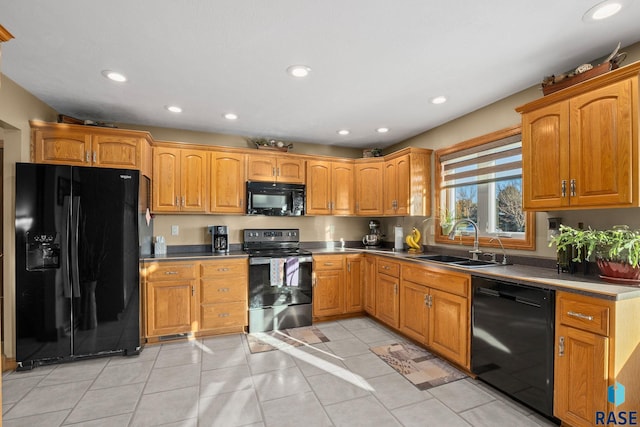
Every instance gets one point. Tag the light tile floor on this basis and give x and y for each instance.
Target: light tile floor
(218, 382)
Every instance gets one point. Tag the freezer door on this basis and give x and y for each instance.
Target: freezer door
(43, 295)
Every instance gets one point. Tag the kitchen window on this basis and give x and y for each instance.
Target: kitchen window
(481, 180)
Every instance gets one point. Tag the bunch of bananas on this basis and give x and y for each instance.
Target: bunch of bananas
(413, 240)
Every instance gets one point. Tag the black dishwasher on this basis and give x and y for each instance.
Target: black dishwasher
(512, 340)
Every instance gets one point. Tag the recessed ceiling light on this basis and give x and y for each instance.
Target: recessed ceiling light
(603, 10)
(439, 100)
(382, 130)
(114, 75)
(230, 116)
(299, 70)
(344, 132)
(174, 108)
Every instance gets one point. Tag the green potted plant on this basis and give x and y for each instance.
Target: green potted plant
(616, 250)
(446, 218)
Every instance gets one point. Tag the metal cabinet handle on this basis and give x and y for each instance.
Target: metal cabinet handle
(95, 157)
(193, 291)
(349, 267)
(171, 272)
(223, 289)
(87, 158)
(183, 204)
(395, 288)
(223, 315)
(386, 267)
(328, 264)
(580, 315)
(177, 201)
(572, 186)
(273, 171)
(563, 187)
(561, 346)
(223, 269)
(277, 171)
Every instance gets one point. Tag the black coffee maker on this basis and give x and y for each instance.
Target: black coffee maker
(219, 239)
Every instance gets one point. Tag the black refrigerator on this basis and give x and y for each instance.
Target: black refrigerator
(80, 232)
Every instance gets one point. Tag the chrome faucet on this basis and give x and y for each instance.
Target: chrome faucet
(504, 253)
(476, 245)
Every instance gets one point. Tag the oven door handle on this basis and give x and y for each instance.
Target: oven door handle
(267, 260)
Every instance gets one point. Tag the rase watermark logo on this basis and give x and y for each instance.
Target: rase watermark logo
(615, 395)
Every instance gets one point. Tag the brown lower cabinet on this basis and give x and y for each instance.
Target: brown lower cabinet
(337, 285)
(435, 310)
(197, 297)
(597, 347)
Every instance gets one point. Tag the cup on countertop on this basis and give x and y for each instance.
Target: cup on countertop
(160, 246)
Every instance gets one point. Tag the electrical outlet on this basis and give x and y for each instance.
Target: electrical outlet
(174, 230)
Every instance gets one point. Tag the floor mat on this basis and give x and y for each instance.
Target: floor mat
(296, 337)
(421, 368)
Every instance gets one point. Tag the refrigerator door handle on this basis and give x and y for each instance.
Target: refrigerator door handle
(64, 247)
(75, 224)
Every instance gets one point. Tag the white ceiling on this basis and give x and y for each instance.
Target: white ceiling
(373, 62)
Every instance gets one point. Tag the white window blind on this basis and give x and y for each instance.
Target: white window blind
(495, 161)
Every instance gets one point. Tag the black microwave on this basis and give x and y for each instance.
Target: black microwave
(274, 199)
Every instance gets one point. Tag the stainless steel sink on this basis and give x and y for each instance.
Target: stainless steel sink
(442, 258)
(460, 261)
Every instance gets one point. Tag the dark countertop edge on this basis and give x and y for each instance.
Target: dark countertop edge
(520, 274)
(192, 256)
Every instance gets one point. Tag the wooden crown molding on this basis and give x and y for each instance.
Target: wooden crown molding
(5, 35)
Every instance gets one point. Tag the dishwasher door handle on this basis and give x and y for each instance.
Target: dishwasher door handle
(488, 292)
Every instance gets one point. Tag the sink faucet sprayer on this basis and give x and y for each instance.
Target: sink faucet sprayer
(476, 245)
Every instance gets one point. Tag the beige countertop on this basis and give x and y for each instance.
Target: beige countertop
(522, 274)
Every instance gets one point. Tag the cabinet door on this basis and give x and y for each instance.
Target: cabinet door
(413, 311)
(580, 378)
(318, 187)
(328, 293)
(403, 185)
(166, 179)
(261, 168)
(290, 170)
(193, 181)
(170, 307)
(369, 188)
(390, 187)
(342, 189)
(370, 273)
(61, 147)
(545, 157)
(354, 292)
(449, 326)
(601, 142)
(114, 151)
(227, 183)
(387, 300)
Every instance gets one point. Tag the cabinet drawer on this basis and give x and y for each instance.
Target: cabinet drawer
(389, 268)
(171, 271)
(230, 268)
(217, 291)
(584, 313)
(215, 316)
(455, 283)
(328, 262)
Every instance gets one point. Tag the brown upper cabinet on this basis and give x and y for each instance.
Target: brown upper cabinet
(580, 145)
(330, 187)
(77, 145)
(407, 183)
(286, 168)
(179, 180)
(227, 182)
(369, 176)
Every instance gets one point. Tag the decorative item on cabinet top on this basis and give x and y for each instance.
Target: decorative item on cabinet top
(270, 144)
(583, 72)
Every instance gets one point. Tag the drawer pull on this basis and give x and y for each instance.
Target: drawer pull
(580, 315)
(328, 264)
(223, 269)
(171, 272)
(386, 267)
(561, 346)
(223, 289)
(223, 315)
